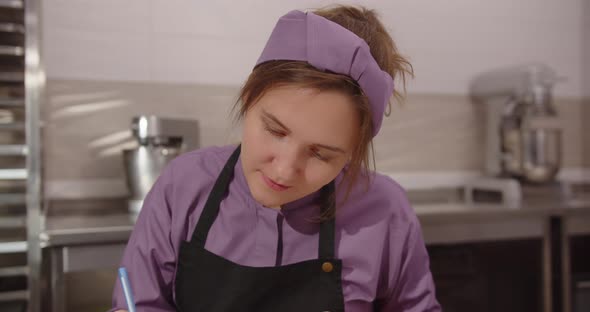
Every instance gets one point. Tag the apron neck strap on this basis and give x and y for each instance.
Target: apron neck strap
(211, 209)
(328, 227)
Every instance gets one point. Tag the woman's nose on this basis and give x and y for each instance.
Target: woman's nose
(288, 164)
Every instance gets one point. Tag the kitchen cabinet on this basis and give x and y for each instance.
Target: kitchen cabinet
(489, 276)
(75, 269)
(575, 261)
(580, 272)
(489, 242)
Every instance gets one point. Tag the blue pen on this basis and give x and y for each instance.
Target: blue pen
(127, 289)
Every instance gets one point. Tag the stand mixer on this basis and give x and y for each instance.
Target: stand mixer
(159, 140)
(523, 133)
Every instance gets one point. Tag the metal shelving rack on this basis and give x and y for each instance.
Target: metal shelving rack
(22, 82)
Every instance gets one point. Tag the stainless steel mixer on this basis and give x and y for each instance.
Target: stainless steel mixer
(159, 141)
(523, 134)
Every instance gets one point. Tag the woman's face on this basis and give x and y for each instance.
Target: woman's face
(296, 140)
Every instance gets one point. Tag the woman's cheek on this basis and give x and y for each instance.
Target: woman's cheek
(326, 172)
(315, 173)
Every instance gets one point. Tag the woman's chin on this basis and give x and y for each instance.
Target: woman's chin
(269, 198)
(267, 201)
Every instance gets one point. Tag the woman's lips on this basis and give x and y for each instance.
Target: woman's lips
(274, 185)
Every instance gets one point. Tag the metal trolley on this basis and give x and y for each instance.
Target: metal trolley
(22, 82)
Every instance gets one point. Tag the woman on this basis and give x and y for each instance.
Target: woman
(292, 219)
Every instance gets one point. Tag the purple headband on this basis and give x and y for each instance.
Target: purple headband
(326, 45)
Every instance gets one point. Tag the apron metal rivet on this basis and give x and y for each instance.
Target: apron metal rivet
(327, 267)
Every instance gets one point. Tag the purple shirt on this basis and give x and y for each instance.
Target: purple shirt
(378, 237)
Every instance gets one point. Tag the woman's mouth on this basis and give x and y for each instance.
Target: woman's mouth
(274, 185)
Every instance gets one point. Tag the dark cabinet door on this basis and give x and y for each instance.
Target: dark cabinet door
(580, 270)
(488, 276)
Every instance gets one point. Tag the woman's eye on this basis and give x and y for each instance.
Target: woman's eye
(319, 156)
(274, 132)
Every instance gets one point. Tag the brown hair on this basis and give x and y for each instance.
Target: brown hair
(365, 24)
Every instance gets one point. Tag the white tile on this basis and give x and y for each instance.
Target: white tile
(225, 18)
(585, 58)
(450, 43)
(203, 60)
(96, 55)
(104, 15)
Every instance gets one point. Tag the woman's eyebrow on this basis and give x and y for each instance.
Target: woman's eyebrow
(331, 148)
(274, 119)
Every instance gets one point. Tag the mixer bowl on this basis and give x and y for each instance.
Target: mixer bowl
(143, 166)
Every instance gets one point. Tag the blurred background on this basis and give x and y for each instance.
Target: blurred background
(491, 142)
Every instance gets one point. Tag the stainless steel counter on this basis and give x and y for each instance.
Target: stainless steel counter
(454, 222)
(86, 222)
(107, 221)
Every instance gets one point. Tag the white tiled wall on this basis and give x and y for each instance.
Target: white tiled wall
(87, 126)
(217, 42)
(586, 52)
(99, 55)
(586, 80)
(110, 60)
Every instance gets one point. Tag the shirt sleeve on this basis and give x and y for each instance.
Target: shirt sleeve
(150, 255)
(413, 289)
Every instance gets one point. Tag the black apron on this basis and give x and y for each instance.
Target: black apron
(206, 282)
